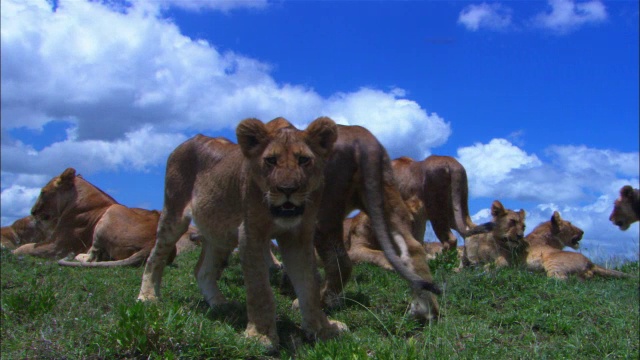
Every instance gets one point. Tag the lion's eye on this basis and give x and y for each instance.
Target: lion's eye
(271, 160)
(303, 160)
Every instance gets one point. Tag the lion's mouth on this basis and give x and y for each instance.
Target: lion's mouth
(575, 242)
(622, 225)
(287, 209)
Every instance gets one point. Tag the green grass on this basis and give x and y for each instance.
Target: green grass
(51, 312)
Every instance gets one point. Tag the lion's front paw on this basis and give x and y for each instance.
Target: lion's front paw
(270, 341)
(331, 330)
(147, 297)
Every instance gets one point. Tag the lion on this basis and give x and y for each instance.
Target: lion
(440, 183)
(503, 246)
(82, 219)
(435, 190)
(360, 177)
(362, 245)
(626, 209)
(544, 252)
(23, 231)
(357, 175)
(267, 186)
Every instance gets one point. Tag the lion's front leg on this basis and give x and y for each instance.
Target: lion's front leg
(261, 309)
(299, 260)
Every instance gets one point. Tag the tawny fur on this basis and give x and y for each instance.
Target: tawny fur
(545, 253)
(23, 231)
(434, 190)
(359, 176)
(626, 209)
(503, 246)
(268, 186)
(80, 218)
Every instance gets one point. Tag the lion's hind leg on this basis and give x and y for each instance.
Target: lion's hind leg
(212, 262)
(170, 228)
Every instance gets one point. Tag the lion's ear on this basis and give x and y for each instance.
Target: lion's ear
(497, 209)
(67, 177)
(556, 221)
(626, 192)
(522, 214)
(252, 137)
(321, 134)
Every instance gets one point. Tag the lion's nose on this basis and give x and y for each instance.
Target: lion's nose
(287, 190)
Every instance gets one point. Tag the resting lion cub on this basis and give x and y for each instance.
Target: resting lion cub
(545, 251)
(503, 246)
(268, 186)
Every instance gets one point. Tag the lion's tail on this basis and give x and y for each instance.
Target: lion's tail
(372, 177)
(136, 259)
(609, 273)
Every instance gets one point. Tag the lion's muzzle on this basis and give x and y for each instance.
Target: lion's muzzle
(287, 210)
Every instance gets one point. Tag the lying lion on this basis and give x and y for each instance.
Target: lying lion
(82, 219)
(626, 209)
(23, 231)
(503, 246)
(545, 253)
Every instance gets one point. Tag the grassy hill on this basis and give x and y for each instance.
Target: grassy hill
(51, 312)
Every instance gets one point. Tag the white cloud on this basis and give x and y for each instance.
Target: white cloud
(486, 16)
(137, 150)
(129, 84)
(568, 15)
(17, 201)
(500, 169)
(113, 72)
(393, 120)
(202, 5)
(491, 165)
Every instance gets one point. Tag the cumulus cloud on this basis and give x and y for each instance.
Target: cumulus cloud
(568, 15)
(17, 201)
(129, 86)
(137, 150)
(485, 16)
(571, 174)
(111, 73)
(491, 165)
(200, 5)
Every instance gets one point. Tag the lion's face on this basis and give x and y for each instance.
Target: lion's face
(52, 198)
(565, 231)
(509, 225)
(287, 164)
(623, 214)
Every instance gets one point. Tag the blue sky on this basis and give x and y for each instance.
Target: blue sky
(537, 99)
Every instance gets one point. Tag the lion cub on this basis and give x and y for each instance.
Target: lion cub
(268, 186)
(545, 251)
(503, 246)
